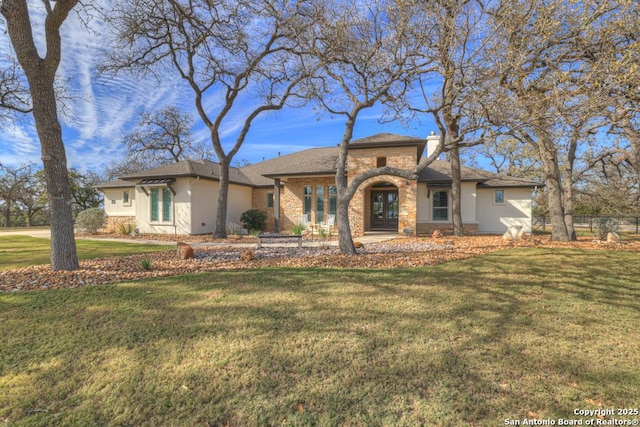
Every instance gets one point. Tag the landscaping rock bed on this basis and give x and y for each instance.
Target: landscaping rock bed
(395, 254)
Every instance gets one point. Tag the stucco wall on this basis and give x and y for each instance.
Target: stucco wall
(204, 205)
(426, 225)
(181, 212)
(496, 218)
(113, 202)
(239, 201)
(468, 201)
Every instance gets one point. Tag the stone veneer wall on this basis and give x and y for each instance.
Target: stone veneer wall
(427, 229)
(259, 201)
(114, 222)
(361, 160)
(291, 199)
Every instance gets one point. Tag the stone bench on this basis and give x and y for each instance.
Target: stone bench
(265, 238)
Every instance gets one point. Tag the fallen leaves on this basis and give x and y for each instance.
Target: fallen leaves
(400, 253)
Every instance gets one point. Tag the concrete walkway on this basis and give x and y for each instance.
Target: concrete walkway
(372, 237)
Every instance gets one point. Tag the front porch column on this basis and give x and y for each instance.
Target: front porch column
(276, 205)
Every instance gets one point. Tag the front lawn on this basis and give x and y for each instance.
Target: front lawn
(22, 251)
(524, 333)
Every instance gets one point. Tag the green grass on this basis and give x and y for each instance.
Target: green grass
(510, 335)
(22, 251)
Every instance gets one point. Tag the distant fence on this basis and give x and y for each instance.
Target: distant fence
(629, 223)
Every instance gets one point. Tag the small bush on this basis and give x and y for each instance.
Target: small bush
(604, 226)
(146, 264)
(298, 229)
(91, 220)
(126, 229)
(254, 220)
(234, 229)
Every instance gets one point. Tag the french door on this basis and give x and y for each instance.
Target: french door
(384, 210)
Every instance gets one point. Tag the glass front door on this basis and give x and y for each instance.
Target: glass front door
(384, 210)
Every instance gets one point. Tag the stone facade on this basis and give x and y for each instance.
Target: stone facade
(427, 229)
(259, 198)
(115, 222)
(361, 160)
(292, 199)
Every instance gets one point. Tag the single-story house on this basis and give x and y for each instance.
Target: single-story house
(181, 198)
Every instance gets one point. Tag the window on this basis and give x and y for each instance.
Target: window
(306, 202)
(166, 205)
(126, 201)
(498, 197)
(319, 203)
(160, 200)
(440, 205)
(333, 200)
(269, 200)
(381, 162)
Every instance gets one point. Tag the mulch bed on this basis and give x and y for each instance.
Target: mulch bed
(400, 253)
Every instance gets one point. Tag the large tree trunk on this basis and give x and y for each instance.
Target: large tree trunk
(345, 241)
(553, 183)
(63, 245)
(40, 75)
(456, 191)
(7, 213)
(220, 231)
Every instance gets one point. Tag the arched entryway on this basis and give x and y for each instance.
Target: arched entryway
(383, 203)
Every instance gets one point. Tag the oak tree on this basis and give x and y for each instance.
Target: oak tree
(40, 71)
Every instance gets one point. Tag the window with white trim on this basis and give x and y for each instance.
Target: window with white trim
(498, 197)
(126, 199)
(161, 205)
(440, 205)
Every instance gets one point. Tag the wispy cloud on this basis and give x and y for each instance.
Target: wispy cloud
(102, 111)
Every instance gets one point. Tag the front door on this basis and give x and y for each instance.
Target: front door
(384, 210)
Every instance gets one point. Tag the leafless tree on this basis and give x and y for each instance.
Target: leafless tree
(366, 56)
(164, 136)
(40, 72)
(228, 52)
(455, 34)
(14, 96)
(13, 185)
(541, 73)
(507, 156)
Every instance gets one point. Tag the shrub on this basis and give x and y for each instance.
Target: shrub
(298, 229)
(146, 264)
(254, 220)
(604, 226)
(126, 229)
(91, 220)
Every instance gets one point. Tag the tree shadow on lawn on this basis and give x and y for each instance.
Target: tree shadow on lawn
(465, 343)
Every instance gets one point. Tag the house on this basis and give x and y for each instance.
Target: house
(181, 198)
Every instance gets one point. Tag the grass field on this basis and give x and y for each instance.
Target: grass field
(526, 333)
(22, 251)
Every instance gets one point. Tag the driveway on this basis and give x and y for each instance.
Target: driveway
(46, 234)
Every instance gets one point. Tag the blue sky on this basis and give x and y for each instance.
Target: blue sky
(98, 112)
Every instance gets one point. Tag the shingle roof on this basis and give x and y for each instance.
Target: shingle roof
(386, 140)
(439, 172)
(118, 183)
(315, 161)
(191, 168)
